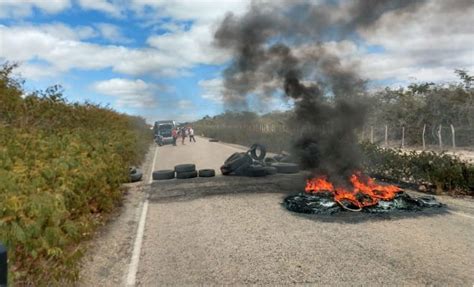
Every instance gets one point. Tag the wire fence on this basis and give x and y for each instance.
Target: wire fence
(426, 137)
(279, 137)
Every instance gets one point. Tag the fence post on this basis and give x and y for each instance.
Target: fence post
(371, 134)
(454, 136)
(424, 129)
(403, 136)
(386, 136)
(440, 140)
(3, 266)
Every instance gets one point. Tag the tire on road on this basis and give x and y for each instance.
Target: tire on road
(163, 174)
(270, 170)
(283, 167)
(186, 174)
(256, 171)
(269, 160)
(225, 170)
(213, 140)
(232, 157)
(258, 151)
(237, 160)
(207, 173)
(135, 175)
(243, 169)
(187, 167)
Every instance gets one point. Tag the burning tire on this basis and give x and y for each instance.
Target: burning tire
(186, 174)
(207, 173)
(270, 170)
(283, 167)
(163, 174)
(185, 168)
(258, 151)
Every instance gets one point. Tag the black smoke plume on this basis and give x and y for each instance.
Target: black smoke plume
(280, 48)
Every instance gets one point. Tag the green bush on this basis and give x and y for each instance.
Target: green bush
(445, 171)
(61, 170)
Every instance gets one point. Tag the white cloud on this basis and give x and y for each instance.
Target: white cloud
(207, 11)
(185, 104)
(212, 89)
(190, 47)
(112, 33)
(109, 7)
(63, 53)
(129, 93)
(427, 44)
(24, 8)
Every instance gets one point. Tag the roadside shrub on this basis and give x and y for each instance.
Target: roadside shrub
(61, 170)
(445, 172)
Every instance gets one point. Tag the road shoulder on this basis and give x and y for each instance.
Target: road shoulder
(108, 253)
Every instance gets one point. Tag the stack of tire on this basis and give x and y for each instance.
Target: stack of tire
(182, 171)
(253, 163)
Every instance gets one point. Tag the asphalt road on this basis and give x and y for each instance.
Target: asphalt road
(235, 231)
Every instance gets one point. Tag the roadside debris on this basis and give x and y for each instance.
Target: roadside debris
(207, 173)
(135, 174)
(254, 163)
(163, 174)
(183, 171)
(324, 203)
(322, 196)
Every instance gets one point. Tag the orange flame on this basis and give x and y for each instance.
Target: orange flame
(365, 191)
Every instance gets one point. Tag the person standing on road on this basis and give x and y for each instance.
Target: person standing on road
(191, 134)
(174, 134)
(183, 135)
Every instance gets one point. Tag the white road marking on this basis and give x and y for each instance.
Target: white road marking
(462, 214)
(137, 246)
(150, 180)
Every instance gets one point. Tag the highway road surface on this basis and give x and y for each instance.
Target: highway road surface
(243, 235)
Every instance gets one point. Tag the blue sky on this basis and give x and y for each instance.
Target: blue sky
(156, 58)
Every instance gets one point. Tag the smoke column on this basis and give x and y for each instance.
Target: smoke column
(279, 48)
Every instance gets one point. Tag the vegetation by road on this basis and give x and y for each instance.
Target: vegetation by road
(61, 169)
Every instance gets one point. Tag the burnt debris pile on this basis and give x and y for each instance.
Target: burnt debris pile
(324, 203)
